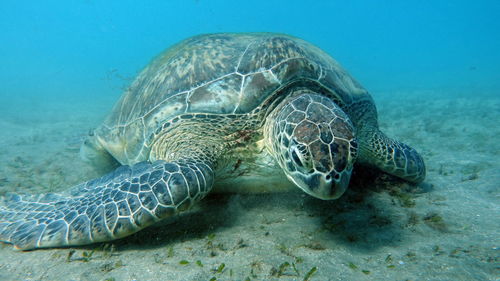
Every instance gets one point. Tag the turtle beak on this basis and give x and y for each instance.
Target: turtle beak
(335, 185)
(326, 187)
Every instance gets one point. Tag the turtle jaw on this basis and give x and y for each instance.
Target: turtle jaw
(321, 186)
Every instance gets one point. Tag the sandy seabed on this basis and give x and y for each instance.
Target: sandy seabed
(446, 228)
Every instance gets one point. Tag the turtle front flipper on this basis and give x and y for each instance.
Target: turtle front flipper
(391, 156)
(113, 206)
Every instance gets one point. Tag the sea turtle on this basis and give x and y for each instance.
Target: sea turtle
(243, 111)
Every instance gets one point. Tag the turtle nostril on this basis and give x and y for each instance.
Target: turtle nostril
(328, 177)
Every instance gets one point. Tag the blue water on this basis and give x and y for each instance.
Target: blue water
(82, 48)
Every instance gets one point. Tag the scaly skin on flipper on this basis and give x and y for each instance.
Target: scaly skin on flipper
(380, 151)
(116, 205)
(391, 156)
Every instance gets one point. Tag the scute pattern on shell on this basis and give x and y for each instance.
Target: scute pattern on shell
(220, 74)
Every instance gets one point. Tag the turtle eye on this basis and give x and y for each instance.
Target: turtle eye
(299, 155)
(296, 159)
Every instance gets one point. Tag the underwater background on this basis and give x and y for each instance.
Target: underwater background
(82, 48)
(432, 67)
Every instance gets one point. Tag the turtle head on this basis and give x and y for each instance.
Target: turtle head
(313, 141)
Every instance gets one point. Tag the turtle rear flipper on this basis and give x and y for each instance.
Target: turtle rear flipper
(96, 155)
(113, 206)
(391, 156)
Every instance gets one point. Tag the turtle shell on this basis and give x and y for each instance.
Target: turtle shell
(219, 74)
